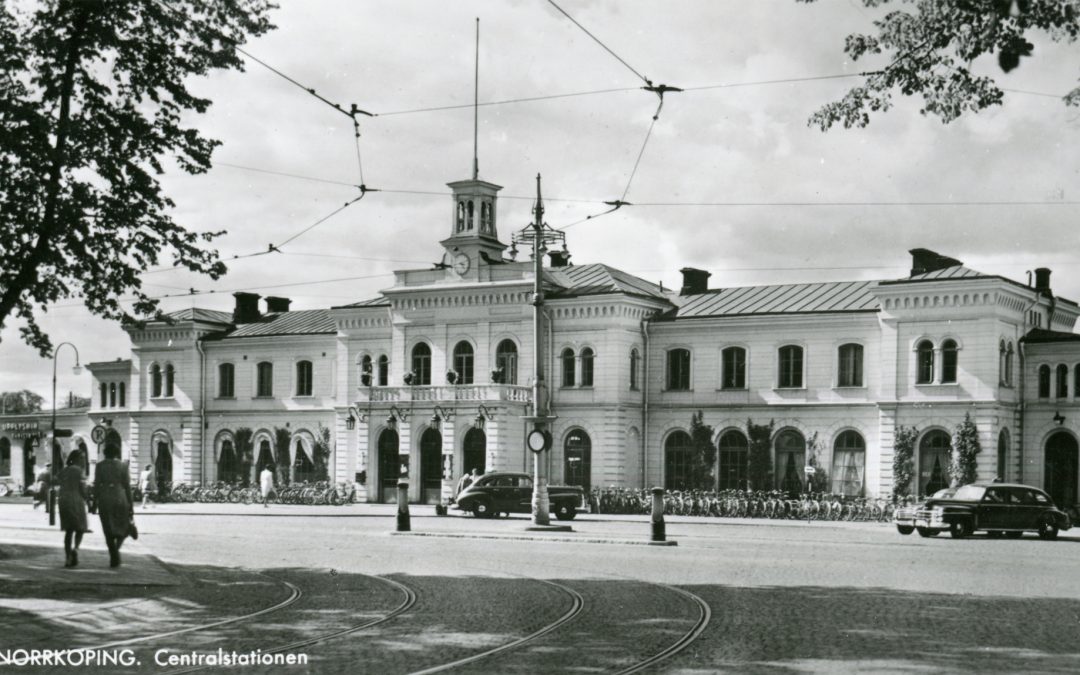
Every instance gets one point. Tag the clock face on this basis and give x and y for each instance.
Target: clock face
(536, 440)
(461, 263)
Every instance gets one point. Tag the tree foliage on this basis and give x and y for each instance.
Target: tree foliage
(966, 447)
(931, 47)
(282, 465)
(819, 481)
(903, 463)
(759, 466)
(245, 452)
(20, 402)
(703, 460)
(93, 103)
(322, 453)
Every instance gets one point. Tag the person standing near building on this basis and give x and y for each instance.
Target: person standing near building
(72, 506)
(112, 489)
(146, 483)
(266, 483)
(42, 485)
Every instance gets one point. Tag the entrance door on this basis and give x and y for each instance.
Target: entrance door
(227, 464)
(430, 467)
(1061, 469)
(475, 451)
(163, 467)
(578, 460)
(266, 458)
(389, 468)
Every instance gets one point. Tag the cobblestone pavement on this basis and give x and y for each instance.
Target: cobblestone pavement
(778, 597)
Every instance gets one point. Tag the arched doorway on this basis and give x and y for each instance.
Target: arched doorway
(266, 458)
(734, 451)
(934, 452)
(1061, 469)
(303, 464)
(678, 467)
(577, 459)
(389, 468)
(430, 466)
(163, 463)
(228, 466)
(790, 461)
(475, 451)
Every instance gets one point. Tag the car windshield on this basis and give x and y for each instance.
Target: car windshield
(972, 493)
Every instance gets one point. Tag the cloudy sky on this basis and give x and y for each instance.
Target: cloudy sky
(742, 144)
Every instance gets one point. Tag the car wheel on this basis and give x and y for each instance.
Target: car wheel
(1048, 530)
(564, 512)
(905, 529)
(926, 532)
(481, 510)
(1014, 535)
(960, 529)
(994, 534)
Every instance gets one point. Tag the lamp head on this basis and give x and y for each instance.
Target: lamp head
(77, 370)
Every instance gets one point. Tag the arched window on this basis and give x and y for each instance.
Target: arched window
(304, 378)
(421, 364)
(112, 394)
(1044, 381)
(934, 452)
(226, 380)
(734, 453)
(578, 459)
(849, 464)
(633, 368)
(1001, 363)
(123, 395)
(587, 356)
(790, 460)
(568, 364)
(1003, 455)
(924, 363)
(506, 362)
(850, 372)
(384, 370)
(791, 367)
(474, 451)
(949, 353)
(155, 383)
(1060, 468)
(678, 370)
(303, 468)
(365, 371)
(485, 217)
(389, 465)
(228, 463)
(264, 375)
(431, 466)
(1009, 364)
(1076, 380)
(170, 378)
(1062, 381)
(678, 461)
(460, 217)
(733, 364)
(463, 362)
(104, 389)
(469, 214)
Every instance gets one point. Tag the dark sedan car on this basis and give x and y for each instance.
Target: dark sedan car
(996, 508)
(905, 515)
(511, 492)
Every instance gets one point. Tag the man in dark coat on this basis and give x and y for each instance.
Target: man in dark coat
(112, 489)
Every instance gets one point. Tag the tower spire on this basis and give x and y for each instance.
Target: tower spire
(476, 105)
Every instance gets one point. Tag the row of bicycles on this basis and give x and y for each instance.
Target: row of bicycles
(745, 504)
(319, 493)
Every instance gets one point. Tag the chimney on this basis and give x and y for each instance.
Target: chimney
(275, 304)
(559, 258)
(1042, 281)
(247, 307)
(924, 260)
(694, 281)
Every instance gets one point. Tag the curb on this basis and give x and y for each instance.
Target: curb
(526, 537)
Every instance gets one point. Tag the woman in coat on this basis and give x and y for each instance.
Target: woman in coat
(112, 489)
(72, 506)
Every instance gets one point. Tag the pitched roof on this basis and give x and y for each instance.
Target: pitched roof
(954, 272)
(378, 301)
(1042, 336)
(199, 314)
(837, 296)
(303, 322)
(598, 279)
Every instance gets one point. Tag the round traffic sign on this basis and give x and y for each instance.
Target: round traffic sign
(98, 434)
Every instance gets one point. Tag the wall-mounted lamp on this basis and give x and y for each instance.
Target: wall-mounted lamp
(395, 415)
(439, 415)
(482, 415)
(1059, 419)
(354, 416)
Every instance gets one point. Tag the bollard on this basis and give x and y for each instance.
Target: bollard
(658, 530)
(403, 507)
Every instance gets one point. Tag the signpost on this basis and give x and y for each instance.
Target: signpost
(810, 471)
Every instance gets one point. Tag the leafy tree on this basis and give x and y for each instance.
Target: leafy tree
(93, 103)
(963, 464)
(20, 402)
(903, 460)
(759, 467)
(282, 465)
(78, 401)
(819, 481)
(703, 461)
(322, 453)
(931, 46)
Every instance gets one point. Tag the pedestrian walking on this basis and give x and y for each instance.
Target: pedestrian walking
(266, 483)
(112, 489)
(41, 486)
(146, 482)
(72, 505)
(465, 481)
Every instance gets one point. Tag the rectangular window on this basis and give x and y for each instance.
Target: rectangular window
(226, 380)
(265, 379)
(678, 370)
(734, 365)
(791, 367)
(304, 378)
(851, 366)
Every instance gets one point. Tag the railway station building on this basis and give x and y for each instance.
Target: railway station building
(433, 377)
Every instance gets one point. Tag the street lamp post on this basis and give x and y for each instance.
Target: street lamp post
(55, 450)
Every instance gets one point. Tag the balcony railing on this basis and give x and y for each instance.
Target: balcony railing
(448, 392)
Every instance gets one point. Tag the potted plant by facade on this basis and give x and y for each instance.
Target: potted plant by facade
(451, 377)
(409, 377)
(497, 376)
(365, 378)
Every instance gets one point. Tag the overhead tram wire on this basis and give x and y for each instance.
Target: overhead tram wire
(609, 50)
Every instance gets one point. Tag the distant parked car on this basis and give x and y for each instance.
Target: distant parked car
(511, 492)
(996, 508)
(905, 515)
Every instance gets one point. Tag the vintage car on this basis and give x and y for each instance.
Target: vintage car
(905, 515)
(511, 492)
(996, 508)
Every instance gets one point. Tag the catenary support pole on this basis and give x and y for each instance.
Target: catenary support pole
(403, 524)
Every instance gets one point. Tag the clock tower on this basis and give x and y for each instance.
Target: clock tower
(474, 235)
